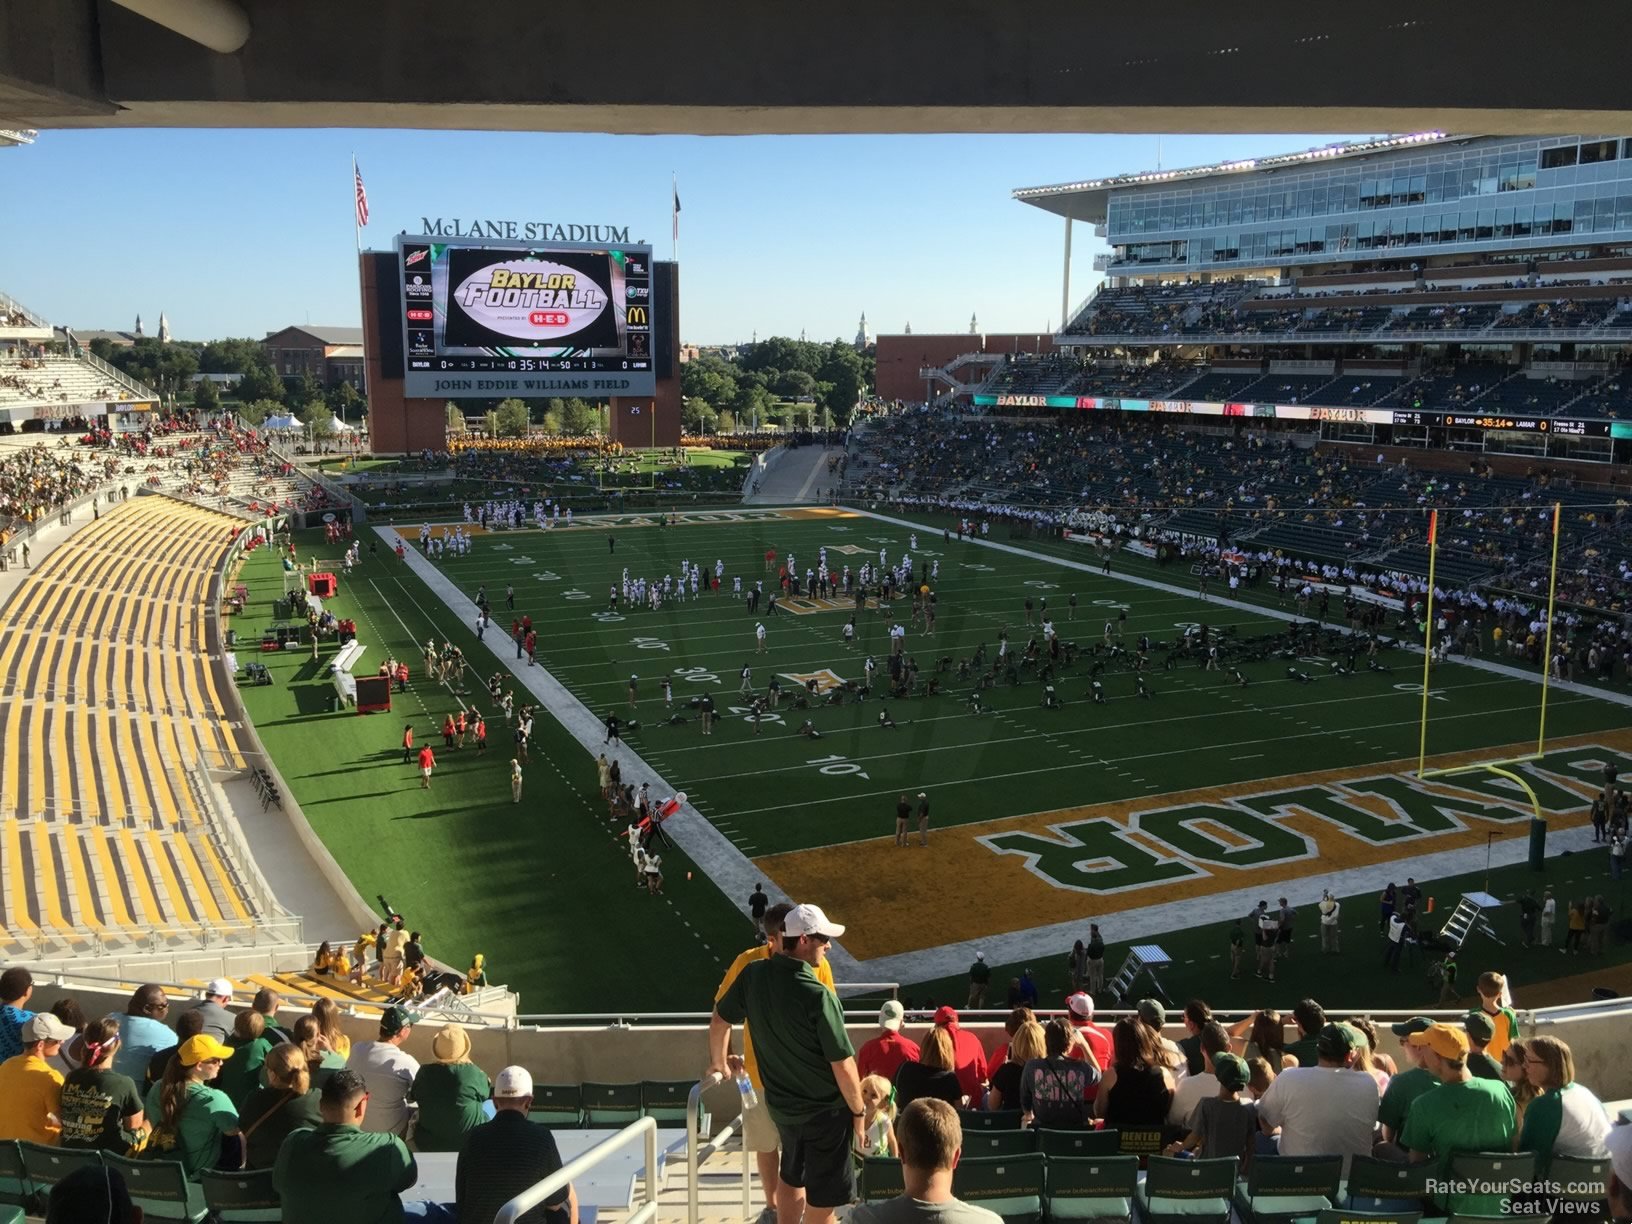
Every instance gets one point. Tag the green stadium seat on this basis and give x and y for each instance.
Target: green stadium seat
(999, 1142)
(1090, 1187)
(1012, 1186)
(608, 1106)
(161, 1189)
(1187, 1190)
(1385, 1186)
(1054, 1143)
(881, 1179)
(11, 1214)
(988, 1119)
(46, 1165)
(558, 1105)
(664, 1101)
(241, 1198)
(15, 1188)
(1580, 1179)
(1492, 1169)
(1281, 1189)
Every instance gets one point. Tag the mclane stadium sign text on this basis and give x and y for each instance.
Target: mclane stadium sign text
(524, 231)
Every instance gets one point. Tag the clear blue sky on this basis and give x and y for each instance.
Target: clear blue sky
(240, 233)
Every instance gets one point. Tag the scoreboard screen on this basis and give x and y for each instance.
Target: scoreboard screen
(497, 319)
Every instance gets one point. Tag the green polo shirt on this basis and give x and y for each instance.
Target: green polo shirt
(1404, 1088)
(333, 1172)
(798, 1029)
(1474, 1115)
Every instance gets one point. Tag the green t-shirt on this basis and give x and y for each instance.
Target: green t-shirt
(94, 1106)
(1237, 937)
(450, 1097)
(1483, 1066)
(333, 1172)
(980, 973)
(206, 1114)
(1404, 1088)
(798, 1029)
(241, 1074)
(1474, 1115)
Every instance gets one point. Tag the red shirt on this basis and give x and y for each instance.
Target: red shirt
(408, 738)
(884, 1054)
(426, 757)
(970, 1057)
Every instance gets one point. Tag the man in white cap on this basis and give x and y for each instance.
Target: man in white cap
(1079, 1012)
(806, 1062)
(218, 1021)
(758, 1131)
(884, 1054)
(1619, 1144)
(502, 1158)
(30, 1087)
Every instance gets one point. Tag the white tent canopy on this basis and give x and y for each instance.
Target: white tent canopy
(281, 422)
(336, 425)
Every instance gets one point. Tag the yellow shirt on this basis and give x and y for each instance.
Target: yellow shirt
(30, 1088)
(824, 974)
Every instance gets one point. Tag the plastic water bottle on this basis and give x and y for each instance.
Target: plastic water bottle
(750, 1098)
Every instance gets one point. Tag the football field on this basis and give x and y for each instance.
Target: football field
(1148, 798)
(1152, 815)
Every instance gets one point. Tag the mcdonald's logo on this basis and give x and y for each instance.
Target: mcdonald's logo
(635, 316)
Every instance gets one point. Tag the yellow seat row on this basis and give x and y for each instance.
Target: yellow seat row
(109, 692)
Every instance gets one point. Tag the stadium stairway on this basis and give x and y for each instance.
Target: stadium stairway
(793, 475)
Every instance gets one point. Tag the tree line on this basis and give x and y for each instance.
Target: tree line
(260, 391)
(779, 381)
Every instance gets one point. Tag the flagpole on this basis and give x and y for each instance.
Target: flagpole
(356, 224)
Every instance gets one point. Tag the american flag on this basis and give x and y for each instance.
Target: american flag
(362, 194)
(677, 212)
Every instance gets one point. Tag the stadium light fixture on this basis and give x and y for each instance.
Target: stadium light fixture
(220, 25)
(17, 136)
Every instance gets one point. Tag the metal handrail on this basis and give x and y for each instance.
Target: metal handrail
(644, 1129)
(696, 1155)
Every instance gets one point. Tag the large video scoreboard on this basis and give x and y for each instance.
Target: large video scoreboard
(496, 319)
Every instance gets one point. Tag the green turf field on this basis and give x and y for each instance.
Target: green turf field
(532, 886)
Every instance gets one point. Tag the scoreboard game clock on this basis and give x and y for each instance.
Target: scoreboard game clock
(490, 319)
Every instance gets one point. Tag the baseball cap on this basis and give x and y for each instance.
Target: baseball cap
(890, 1015)
(980, 956)
(1335, 1041)
(1619, 1143)
(1152, 1013)
(1231, 1070)
(45, 1027)
(218, 986)
(1416, 1024)
(809, 920)
(1446, 1040)
(513, 1082)
(946, 1014)
(196, 1049)
(1081, 1005)
(394, 1019)
(1479, 1026)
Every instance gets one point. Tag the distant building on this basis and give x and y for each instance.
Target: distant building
(864, 338)
(332, 355)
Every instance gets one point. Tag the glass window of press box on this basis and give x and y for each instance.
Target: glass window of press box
(1446, 197)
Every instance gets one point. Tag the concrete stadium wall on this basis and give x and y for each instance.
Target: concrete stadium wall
(901, 357)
